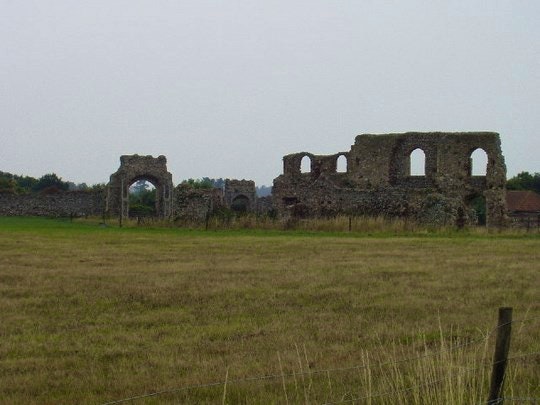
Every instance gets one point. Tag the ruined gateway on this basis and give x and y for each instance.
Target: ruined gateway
(377, 180)
(182, 202)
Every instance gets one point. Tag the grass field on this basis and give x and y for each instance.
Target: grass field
(94, 315)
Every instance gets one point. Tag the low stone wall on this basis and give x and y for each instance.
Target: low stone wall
(59, 204)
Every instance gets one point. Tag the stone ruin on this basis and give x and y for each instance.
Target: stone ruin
(134, 168)
(182, 202)
(378, 181)
(240, 195)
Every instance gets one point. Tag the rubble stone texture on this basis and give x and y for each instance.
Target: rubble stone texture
(196, 204)
(240, 195)
(377, 180)
(58, 204)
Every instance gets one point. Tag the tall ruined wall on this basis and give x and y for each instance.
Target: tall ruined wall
(378, 179)
(59, 204)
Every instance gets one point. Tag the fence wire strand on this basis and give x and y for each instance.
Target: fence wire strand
(340, 369)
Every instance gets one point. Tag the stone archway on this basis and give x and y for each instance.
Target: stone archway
(240, 204)
(133, 168)
(240, 195)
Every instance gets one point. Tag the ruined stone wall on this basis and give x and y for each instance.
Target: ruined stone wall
(195, 204)
(378, 180)
(58, 204)
(133, 168)
(182, 202)
(265, 205)
(240, 195)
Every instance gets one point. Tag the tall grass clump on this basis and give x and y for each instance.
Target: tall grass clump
(340, 223)
(447, 370)
(361, 224)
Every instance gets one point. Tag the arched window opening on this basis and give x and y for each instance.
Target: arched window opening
(240, 204)
(341, 164)
(417, 163)
(479, 161)
(142, 199)
(305, 165)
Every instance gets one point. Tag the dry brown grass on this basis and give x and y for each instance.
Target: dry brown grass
(91, 315)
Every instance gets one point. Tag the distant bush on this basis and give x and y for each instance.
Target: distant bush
(140, 210)
(204, 183)
(50, 180)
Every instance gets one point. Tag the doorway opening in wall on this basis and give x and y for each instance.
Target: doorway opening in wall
(240, 204)
(477, 203)
(142, 199)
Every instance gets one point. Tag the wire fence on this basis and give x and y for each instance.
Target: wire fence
(376, 365)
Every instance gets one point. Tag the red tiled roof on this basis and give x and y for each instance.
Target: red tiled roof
(525, 201)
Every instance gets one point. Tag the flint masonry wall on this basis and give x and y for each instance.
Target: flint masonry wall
(59, 204)
(378, 181)
(196, 204)
(240, 195)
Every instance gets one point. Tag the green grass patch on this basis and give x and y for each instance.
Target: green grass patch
(92, 314)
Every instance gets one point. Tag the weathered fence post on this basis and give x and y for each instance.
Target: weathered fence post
(502, 346)
(350, 223)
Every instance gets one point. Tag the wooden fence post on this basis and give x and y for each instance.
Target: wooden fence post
(502, 347)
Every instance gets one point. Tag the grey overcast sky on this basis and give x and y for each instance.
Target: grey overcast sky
(226, 88)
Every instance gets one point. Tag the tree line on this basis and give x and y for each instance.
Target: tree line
(15, 184)
(207, 183)
(524, 181)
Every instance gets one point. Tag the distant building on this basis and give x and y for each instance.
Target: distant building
(523, 208)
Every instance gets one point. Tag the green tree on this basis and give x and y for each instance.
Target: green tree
(16, 184)
(25, 183)
(8, 185)
(524, 181)
(204, 183)
(142, 199)
(97, 187)
(48, 181)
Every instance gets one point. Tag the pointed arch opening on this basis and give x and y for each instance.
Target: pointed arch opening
(417, 163)
(479, 162)
(341, 164)
(305, 164)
